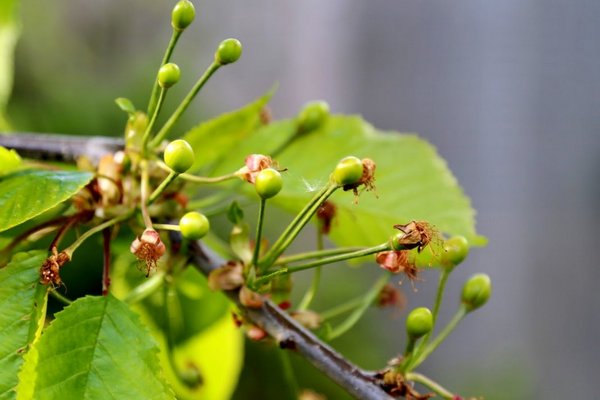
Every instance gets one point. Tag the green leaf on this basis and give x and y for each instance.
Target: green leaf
(219, 136)
(96, 348)
(9, 32)
(208, 339)
(126, 105)
(413, 182)
(9, 160)
(26, 194)
(23, 304)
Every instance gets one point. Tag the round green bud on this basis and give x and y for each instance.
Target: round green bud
(183, 15)
(312, 116)
(456, 250)
(419, 322)
(476, 291)
(229, 51)
(348, 171)
(179, 156)
(194, 225)
(168, 75)
(268, 183)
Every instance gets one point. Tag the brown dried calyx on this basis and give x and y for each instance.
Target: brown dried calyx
(395, 384)
(148, 248)
(49, 273)
(254, 163)
(417, 234)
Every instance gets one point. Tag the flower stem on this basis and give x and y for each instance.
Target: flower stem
(145, 289)
(368, 299)
(148, 132)
(58, 296)
(200, 179)
(167, 227)
(436, 307)
(294, 228)
(259, 228)
(423, 380)
(460, 314)
(212, 68)
(166, 58)
(340, 257)
(316, 254)
(341, 308)
(161, 188)
(144, 193)
(314, 284)
(71, 249)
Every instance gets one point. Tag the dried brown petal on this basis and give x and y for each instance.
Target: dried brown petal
(308, 319)
(227, 277)
(250, 299)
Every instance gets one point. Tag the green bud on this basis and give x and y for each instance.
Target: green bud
(312, 116)
(419, 322)
(268, 183)
(348, 171)
(183, 15)
(179, 156)
(476, 291)
(168, 75)
(229, 51)
(456, 250)
(194, 225)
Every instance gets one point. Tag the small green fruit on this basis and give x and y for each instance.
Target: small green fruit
(168, 75)
(312, 116)
(348, 171)
(268, 183)
(229, 51)
(179, 156)
(476, 291)
(456, 250)
(194, 225)
(419, 322)
(183, 15)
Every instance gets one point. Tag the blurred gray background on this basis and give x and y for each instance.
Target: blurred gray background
(508, 91)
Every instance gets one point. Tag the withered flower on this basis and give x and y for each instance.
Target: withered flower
(397, 261)
(49, 273)
(227, 277)
(148, 248)
(416, 234)
(390, 296)
(325, 213)
(254, 164)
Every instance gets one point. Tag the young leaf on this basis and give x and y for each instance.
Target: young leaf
(23, 304)
(219, 136)
(9, 160)
(413, 182)
(126, 105)
(26, 194)
(96, 348)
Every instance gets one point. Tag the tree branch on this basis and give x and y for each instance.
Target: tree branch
(290, 335)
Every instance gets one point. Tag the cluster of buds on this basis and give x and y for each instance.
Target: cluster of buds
(49, 273)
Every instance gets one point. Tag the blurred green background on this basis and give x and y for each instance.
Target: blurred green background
(507, 91)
